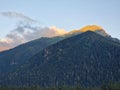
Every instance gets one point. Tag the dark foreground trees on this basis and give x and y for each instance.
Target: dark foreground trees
(111, 86)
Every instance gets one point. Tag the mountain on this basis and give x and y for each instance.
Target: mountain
(88, 59)
(12, 58)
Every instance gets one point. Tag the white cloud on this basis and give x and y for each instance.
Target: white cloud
(26, 30)
(24, 33)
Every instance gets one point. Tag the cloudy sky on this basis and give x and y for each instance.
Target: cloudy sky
(25, 20)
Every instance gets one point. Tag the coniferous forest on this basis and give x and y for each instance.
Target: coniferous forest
(110, 86)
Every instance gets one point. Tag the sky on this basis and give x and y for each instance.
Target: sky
(59, 15)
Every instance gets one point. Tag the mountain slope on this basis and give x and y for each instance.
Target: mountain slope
(86, 59)
(12, 58)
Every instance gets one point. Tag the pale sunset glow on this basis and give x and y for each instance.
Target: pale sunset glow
(3, 48)
(58, 31)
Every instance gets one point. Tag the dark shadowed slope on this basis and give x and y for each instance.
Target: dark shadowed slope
(12, 58)
(86, 59)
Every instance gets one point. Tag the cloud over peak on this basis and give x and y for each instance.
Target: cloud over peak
(25, 33)
(27, 29)
(58, 31)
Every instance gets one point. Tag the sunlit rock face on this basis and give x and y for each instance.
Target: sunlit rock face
(91, 28)
(94, 28)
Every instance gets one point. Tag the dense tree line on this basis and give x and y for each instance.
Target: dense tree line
(111, 86)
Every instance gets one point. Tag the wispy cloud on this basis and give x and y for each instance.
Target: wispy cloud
(17, 15)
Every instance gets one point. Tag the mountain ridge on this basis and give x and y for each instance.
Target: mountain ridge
(16, 56)
(86, 59)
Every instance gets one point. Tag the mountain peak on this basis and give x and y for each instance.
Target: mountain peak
(91, 28)
(94, 28)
